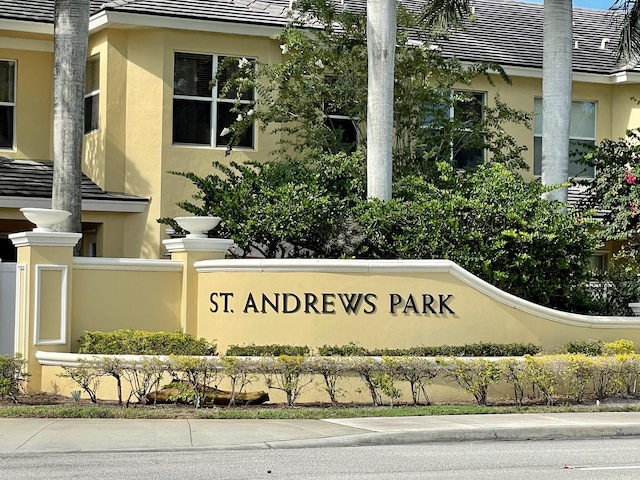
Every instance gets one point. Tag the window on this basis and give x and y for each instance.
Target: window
(465, 112)
(200, 112)
(7, 103)
(336, 113)
(91, 94)
(582, 136)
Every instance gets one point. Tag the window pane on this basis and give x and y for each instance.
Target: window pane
(92, 75)
(575, 169)
(229, 69)
(7, 80)
(469, 110)
(193, 74)
(6, 127)
(577, 149)
(537, 156)
(349, 132)
(583, 120)
(469, 157)
(192, 122)
(91, 113)
(225, 118)
(537, 116)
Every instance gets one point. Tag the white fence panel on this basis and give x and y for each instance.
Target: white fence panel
(7, 307)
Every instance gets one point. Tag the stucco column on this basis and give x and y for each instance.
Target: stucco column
(189, 251)
(43, 293)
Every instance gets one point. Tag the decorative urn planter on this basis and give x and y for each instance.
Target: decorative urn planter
(197, 226)
(44, 218)
(635, 308)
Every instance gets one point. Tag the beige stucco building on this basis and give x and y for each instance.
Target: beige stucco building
(141, 116)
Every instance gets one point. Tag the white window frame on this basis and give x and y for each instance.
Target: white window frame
(213, 100)
(95, 59)
(12, 104)
(571, 138)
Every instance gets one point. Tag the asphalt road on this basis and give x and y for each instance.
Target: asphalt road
(602, 459)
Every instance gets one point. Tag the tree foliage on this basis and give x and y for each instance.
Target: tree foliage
(311, 202)
(488, 220)
(316, 98)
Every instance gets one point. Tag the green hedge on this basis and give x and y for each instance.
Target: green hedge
(471, 350)
(252, 350)
(138, 342)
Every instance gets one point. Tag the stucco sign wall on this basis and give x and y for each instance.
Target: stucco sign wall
(377, 304)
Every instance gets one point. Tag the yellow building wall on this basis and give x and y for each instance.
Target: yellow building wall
(198, 159)
(106, 298)
(132, 151)
(34, 96)
(615, 111)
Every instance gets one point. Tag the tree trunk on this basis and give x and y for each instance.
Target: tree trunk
(556, 95)
(381, 44)
(71, 30)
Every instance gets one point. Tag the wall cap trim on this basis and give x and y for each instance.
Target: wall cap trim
(100, 263)
(45, 239)
(197, 244)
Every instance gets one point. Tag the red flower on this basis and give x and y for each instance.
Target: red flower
(629, 177)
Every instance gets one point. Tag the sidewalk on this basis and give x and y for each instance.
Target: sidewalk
(38, 435)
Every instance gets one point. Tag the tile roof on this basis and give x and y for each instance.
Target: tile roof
(32, 179)
(510, 33)
(239, 11)
(503, 31)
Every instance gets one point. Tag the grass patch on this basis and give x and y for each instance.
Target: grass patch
(282, 412)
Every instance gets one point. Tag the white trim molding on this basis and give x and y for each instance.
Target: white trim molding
(415, 266)
(197, 244)
(45, 239)
(104, 18)
(62, 337)
(123, 206)
(129, 264)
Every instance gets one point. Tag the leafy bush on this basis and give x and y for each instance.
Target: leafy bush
(349, 350)
(586, 347)
(475, 375)
(619, 347)
(253, 350)
(138, 342)
(287, 373)
(13, 375)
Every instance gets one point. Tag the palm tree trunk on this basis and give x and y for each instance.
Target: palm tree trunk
(381, 44)
(556, 95)
(71, 27)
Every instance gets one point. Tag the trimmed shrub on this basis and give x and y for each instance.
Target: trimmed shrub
(139, 342)
(253, 350)
(13, 375)
(586, 347)
(481, 349)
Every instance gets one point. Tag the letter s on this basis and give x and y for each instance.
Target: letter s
(214, 308)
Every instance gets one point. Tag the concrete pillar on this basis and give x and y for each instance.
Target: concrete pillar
(189, 251)
(43, 292)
